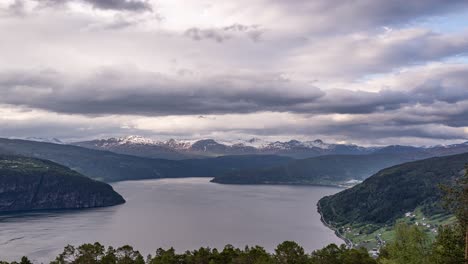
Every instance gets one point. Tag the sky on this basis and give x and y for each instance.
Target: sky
(368, 72)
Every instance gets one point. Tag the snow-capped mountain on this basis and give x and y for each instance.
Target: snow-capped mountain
(141, 146)
(138, 146)
(184, 149)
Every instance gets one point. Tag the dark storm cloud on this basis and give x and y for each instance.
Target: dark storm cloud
(115, 91)
(119, 5)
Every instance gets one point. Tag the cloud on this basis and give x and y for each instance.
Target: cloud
(361, 129)
(369, 71)
(359, 54)
(132, 91)
(117, 5)
(129, 91)
(342, 16)
(225, 33)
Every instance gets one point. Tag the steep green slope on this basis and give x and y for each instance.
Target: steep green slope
(391, 192)
(33, 184)
(332, 169)
(371, 208)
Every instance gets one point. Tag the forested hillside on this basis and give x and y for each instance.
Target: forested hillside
(391, 192)
(327, 170)
(33, 184)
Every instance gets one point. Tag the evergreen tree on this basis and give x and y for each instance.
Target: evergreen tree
(457, 202)
(448, 247)
(411, 246)
(290, 252)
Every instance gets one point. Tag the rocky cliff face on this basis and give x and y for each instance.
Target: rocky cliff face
(33, 184)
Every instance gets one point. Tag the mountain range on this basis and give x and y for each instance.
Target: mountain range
(337, 169)
(184, 149)
(132, 158)
(110, 167)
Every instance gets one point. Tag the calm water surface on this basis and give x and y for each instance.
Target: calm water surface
(183, 213)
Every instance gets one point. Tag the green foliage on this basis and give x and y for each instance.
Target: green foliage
(411, 246)
(96, 254)
(456, 198)
(332, 254)
(288, 252)
(449, 245)
(24, 260)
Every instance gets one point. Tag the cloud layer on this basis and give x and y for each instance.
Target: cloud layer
(372, 72)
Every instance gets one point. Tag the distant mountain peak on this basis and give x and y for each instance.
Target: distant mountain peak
(45, 140)
(182, 148)
(136, 140)
(253, 140)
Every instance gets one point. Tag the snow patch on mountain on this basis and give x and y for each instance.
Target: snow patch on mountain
(252, 143)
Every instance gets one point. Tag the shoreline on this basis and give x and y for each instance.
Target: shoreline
(347, 241)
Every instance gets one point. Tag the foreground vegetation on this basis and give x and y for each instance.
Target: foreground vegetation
(286, 252)
(411, 246)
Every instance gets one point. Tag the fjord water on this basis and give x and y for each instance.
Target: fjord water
(183, 213)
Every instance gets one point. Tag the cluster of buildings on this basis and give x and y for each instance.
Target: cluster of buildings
(423, 223)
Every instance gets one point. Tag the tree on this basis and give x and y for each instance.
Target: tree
(66, 257)
(332, 254)
(448, 248)
(456, 200)
(165, 257)
(411, 246)
(25, 260)
(356, 256)
(327, 255)
(253, 255)
(89, 253)
(290, 252)
(126, 255)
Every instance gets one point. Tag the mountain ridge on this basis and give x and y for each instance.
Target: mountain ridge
(184, 149)
(110, 167)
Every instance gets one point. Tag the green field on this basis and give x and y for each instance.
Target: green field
(372, 236)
